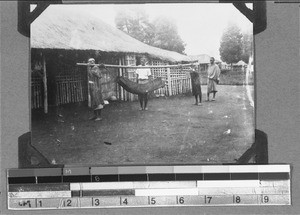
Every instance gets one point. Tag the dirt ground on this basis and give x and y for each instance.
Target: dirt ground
(172, 131)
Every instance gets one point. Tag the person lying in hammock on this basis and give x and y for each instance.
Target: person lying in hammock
(142, 78)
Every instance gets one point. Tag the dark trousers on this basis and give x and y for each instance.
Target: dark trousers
(143, 98)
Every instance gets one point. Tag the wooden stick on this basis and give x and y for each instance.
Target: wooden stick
(82, 92)
(68, 84)
(63, 90)
(38, 95)
(72, 90)
(57, 94)
(68, 90)
(76, 91)
(136, 67)
(45, 86)
(59, 98)
(34, 96)
(169, 82)
(79, 91)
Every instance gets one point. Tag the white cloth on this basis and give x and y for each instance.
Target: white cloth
(99, 107)
(143, 73)
(213, 72)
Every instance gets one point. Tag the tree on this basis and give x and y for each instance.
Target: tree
(231, 45)
(247, 42)
(166, 35)
(161, 33)
(135, 22)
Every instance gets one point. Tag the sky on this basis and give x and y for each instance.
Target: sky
(200, 25)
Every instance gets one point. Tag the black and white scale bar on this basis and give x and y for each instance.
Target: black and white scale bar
(151, 177)
(149, 173)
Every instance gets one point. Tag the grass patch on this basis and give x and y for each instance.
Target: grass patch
(230, 77)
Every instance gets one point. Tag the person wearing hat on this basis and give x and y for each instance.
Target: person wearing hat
(94, 76)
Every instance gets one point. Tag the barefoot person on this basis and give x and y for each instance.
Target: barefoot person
(97, 102)
(142, 78)
(213, 75)
(196, 85)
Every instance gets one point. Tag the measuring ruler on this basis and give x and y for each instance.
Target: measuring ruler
(148, 186)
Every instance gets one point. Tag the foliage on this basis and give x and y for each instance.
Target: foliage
(161, 33)
(136, 23)
(231, 45)
(247, 47)
(166, 35)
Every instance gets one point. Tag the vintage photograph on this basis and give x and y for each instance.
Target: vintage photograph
(142, 84)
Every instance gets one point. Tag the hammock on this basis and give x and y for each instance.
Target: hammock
(135, 88)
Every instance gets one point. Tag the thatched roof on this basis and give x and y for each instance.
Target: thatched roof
(201, 58)
(57, 28)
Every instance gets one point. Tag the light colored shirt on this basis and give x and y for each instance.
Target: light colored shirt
(213, 72)
(143, 73)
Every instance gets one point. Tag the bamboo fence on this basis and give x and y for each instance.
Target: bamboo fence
(36, 91)
(70, 89)
(71, 83)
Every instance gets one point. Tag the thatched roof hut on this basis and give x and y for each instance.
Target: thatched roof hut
(57, 28)
(62, 37)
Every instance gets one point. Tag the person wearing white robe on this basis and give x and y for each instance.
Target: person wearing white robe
(143, 75)
(213, 77)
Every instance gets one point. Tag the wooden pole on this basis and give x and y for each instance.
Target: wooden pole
(45, 86)
(135, 67)
(123, 74)
(88, 89)
(120, 74)
(64, 90)
(169, 81)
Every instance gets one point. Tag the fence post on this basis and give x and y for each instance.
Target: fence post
(169, 81)
(45, 85)
(121, 96)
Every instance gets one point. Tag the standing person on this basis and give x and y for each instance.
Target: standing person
(196, 85)
(97, 102)
(142, 78)
(213, 76)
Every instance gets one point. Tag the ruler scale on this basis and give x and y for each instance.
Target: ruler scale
(148, 186)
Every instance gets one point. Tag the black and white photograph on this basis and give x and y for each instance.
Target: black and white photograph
(142, 84)
(149, 107)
